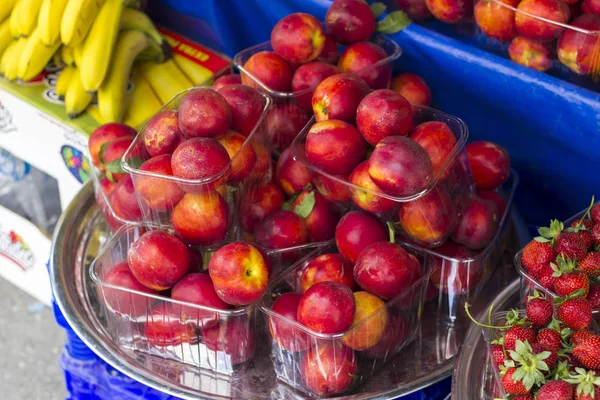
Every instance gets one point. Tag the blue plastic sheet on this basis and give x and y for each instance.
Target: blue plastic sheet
(550, 127)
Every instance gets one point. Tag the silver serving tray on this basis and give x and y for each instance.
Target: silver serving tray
(80, 233)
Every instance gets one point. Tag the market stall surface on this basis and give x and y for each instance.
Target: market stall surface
(30, 346)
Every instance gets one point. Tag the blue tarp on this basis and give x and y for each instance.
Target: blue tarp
(550, 127)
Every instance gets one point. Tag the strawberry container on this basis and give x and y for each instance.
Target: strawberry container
(447, 191)
(291, 110)
(222, 341)
(204, 212)
(456, 280)
(303, 357)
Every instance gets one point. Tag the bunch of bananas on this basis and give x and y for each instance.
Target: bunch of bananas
(103, 44)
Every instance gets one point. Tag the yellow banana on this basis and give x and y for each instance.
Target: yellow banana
(49, 20)
(35, 56)
(77, 54)
(178, 74)
(64, 78)
(196, 73)
(15, 29)
(111, 94)
(7, 55)
(12, 64)
(26, 13)
(155, 52)
(99, 45)
(143, 102)
(136, 19)
(76, 98)
(94, 112)
(57, 59)
(66, 53)
(77, 19)
(165, 85)
(6, 7)
(5, 36)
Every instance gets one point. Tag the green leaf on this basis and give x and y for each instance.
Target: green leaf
(114, 167)
(306, 205)
(520, 347)
(101, 152)
(541, 239)
(135, 162)
(545, 232)
(377, 9)
(393, 23)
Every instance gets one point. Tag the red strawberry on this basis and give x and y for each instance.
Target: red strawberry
(498, 353)
(549, 338)
(518, 332)
(590, 264)
(584, 231)
(570, 282)
(524, 397)
(556, 390)
(536, 255)
(594, 296)
(588, 353)
(511, 386)
(551, 360)
(579, 336)
(576, 313)
(571, 246)
(595, 213)
(547, 278)
(596, 234)
(539, 311)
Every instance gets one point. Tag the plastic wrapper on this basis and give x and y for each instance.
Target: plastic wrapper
(202, 211)
(447, 192)
(291, 110)
(324, 365)
(455, 281)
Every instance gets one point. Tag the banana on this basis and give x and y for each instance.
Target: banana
(178, 74)
(76, 98)
(5, 36)
(143, 103)
(26, 13)
(66, 53)
(165, 85)
(155, 52)
(99, 45)
(57, 59)
(111, 94)
(196, 73)
(77, 19)
(49, 20)
(35, 56)
(135, 19)
(94, 112)
(7, 55)
(62, 83)
(12, 64)
(77, 54)
(5, 8)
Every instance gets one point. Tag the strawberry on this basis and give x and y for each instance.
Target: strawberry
(595, 213)
(588, 352)
(524, 397)
(498, 353)
(580, 336)
(584, 229)
(556, 390)
(576, 313)
(596, 234)
(518, 332)
(539, 311)
(590, 264)
(594, 296)
(570, 245)
(547, 278)
(536, 255)
(549, 338)
(513, 386)
(531, 360)
(587, 384)
(551, 360)
(570, 282)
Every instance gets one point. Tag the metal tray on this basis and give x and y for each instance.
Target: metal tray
(80, 233)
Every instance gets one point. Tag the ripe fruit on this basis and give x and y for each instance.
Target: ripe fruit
(357, 230)
(368, 199)
(329, 368)
(413, 88)
(539, 311)
(495, 20)
(477, 225)
(590, 264)
(200, 158)
(247, 106)
(233, 339)
(569, 282)
(531, 53)
(307, 77)
(571, 246)
(490, 164)
(281, 230)
(105, 134)
(594, 296)
(498, 354)
(327, 268)
(204, 113)
(550, 338)
(201, 219)
(285, 334)
(123, 302)
(161, 134)
(393, 340)
(450, 11)
(226, 80)
(534, 27)
(588, 353)
(166, 327)
(438, 140)
(370, 322)
(595, 213)
(243, 157)
(536, 255)
(124, 201)
(350, 21)
(239, 273)
(338, 96)
(160, 194)
(291, 175)
(110, 158)
(512, 386)
(360, 59)
(298, 38)
(400, 166)
(559, 390)
(518, 332)
(498, 198)
(383, 113)
(327, 307)
(259, 204)
(270, 70)
(335, 146)
(284, 122)
(158, 260)
(579, 336)
(385, 269)
(330, 51)
(455, 277)
(333, 190)
(576, 313)
(596, 234)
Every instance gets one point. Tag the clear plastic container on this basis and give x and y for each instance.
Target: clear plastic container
(113, 218)
(294, 107)
(460, 280)
(222, 341)
(453, 182)
(334, 358)
(578, 40)
(202, 211)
